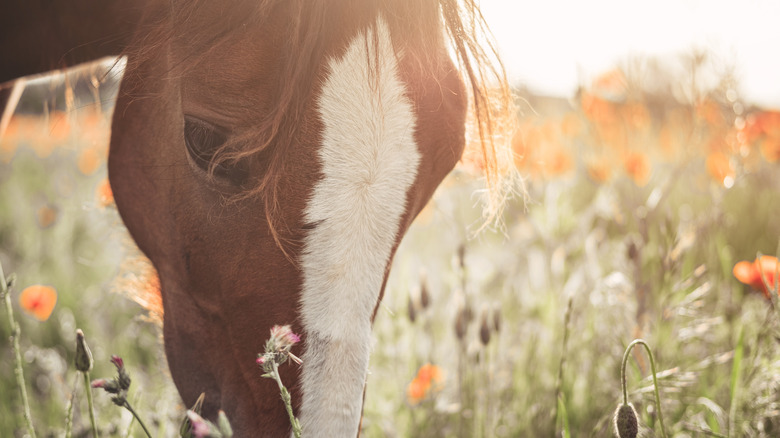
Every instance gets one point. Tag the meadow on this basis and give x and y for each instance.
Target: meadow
(641, 195)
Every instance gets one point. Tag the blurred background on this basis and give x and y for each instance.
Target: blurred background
(649, 143)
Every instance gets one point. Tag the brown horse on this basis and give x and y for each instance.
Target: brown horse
(267, 157)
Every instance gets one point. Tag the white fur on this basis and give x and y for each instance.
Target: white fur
(369, 162)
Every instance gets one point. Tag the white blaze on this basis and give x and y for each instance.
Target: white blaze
(369, 162)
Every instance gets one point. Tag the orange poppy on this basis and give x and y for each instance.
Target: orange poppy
(88, 161)
(637, 166)
(719, 167)
(758, 274)
(38, 301)
(103, 194)
(429, 378)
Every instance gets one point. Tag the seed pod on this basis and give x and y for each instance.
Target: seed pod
(462, 256)
(412, 309)
(425, 297)
(461, 324)
(83, 360)
(626, 424)
(484, 328)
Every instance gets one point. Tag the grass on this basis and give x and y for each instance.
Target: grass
(637, 254)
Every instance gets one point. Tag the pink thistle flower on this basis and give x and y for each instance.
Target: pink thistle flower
(98, 383)
(117, 361)
(260, 360)
(200, 428)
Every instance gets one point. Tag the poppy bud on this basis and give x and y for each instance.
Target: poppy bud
(626, 424)
(411, 309)
(484, 328)
(83, 360)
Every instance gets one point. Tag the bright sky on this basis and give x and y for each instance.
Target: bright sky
(551, 46)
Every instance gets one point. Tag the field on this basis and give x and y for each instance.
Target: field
(640, 199)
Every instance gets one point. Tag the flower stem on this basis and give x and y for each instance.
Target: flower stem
(135, 415)
(88, 388)
(655, 380)
(287, 401)
(15, 333)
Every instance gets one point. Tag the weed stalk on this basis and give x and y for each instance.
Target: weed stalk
(655, 379)
(5, 286)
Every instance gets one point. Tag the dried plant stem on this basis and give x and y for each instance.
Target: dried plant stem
(15, 332)
(655, 379)
(287, 401)
(88, 388)
(562, 364)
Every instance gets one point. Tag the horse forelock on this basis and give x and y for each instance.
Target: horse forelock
(308, 31)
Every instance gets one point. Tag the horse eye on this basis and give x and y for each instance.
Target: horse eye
(203, 140)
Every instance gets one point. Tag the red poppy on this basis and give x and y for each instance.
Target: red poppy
(760, 274)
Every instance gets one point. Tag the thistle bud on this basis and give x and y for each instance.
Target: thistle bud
(425, 296)
(123, 378)
(626, 424)
(111, 386)
(83, 360)
(411, 308)
(461, 324)
(484, 328)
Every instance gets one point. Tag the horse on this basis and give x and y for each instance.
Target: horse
(267, 157)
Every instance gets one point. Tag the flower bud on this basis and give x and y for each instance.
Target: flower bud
(123, 378)
(111, 386)
(425, 296)
(484, 328)
(461, 324)
(626, 424)
(411, 308)
(83, 360)
(224, 425)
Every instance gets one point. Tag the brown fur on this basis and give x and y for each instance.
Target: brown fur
(226, 255)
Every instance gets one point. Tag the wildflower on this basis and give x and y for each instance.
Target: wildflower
(429, 378)
(760, 274)
(38, 301)
(637, 166)
(200, 427)
(88, 161)
(46, 216)
(103, 194)
(719, 167)
(111, 386)
(83, 359)
(277, 348)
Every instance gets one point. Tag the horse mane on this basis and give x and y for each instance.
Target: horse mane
(470, 41)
